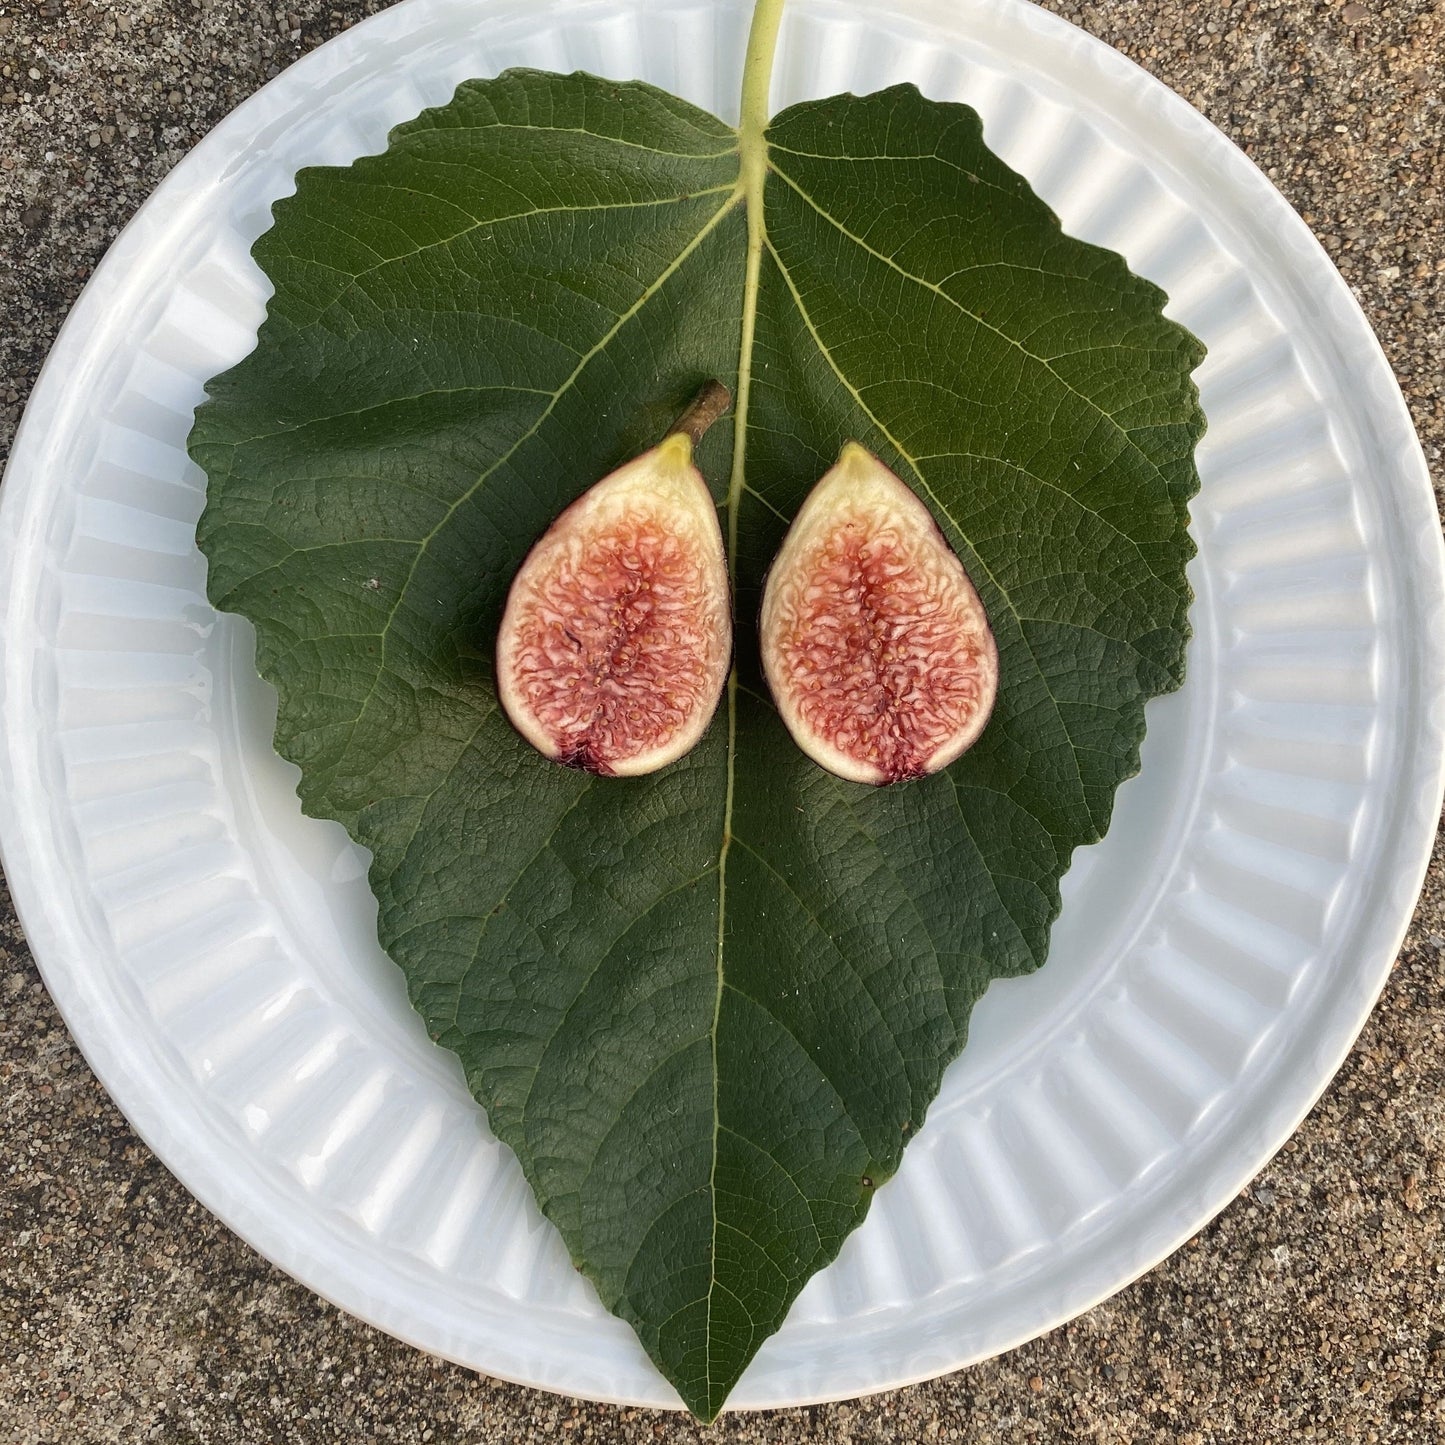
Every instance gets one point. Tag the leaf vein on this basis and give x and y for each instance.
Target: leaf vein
(585, 982)
(953, 301)
(483, 222)
(849, 966)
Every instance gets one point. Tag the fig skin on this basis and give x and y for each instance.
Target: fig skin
(875, 643)
(617, 634)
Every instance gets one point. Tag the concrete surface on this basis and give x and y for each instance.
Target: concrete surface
(1310, 1310)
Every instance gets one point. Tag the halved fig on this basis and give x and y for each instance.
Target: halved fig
(617, 633)
(874, 642)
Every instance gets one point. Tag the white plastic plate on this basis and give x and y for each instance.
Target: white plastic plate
(213, 951)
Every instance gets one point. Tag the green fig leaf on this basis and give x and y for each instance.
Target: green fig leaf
(708, 1007)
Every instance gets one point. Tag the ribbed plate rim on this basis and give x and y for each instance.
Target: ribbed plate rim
(59, 948)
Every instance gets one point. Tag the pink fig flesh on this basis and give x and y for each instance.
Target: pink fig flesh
(874, 642)
(617, 633)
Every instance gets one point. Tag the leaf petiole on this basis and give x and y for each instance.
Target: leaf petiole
(758, 71)
(753, 150)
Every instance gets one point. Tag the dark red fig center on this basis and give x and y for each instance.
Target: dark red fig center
(617, 654)
(875, 643)
(615, 642)
(892, 660)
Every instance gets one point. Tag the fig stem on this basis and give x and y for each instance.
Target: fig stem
(708, 406)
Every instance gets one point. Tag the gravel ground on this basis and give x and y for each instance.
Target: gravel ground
(1310, 1309)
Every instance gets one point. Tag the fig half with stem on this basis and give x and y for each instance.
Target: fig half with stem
(617, 634)
(874, 642)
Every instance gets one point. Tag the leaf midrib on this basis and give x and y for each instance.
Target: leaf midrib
(752, 178)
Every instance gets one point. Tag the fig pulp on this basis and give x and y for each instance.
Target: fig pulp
(874, 642)
(617, 633)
